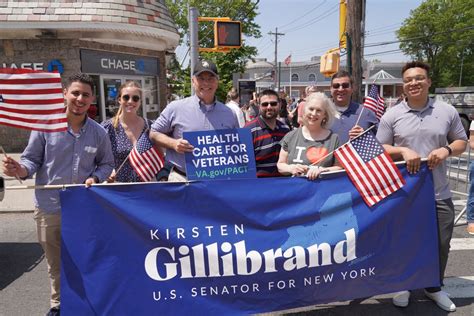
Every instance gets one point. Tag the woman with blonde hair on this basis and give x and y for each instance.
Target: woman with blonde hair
(303, 150)
(125, 130)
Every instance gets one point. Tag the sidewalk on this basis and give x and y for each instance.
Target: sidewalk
(19, 200)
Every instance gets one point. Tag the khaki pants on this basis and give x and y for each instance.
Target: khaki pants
(48, 227)
(176, 177)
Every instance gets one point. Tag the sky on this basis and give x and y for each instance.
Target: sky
(311, 27)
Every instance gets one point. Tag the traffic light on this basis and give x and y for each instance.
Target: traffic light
(227, 34)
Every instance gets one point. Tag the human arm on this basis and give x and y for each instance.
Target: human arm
(289, 169)
(104, 162)
(471, 139)
(179, 145)
(438, 155)
(12, 168)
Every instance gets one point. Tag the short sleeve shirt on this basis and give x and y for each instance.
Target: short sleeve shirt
(424, 130)
(305, 151)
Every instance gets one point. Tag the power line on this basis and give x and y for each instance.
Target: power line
(324, 15)
(299, 17)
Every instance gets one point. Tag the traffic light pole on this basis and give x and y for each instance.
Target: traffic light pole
(193, 40)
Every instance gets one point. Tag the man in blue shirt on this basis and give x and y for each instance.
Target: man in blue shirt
(82, 154)
(200, 112)
(349, 111)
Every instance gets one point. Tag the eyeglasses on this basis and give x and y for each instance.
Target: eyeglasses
(416, 78)
(135, 98)
(272, 103)
(344, 85)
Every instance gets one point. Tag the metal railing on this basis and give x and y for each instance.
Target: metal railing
(458, 175)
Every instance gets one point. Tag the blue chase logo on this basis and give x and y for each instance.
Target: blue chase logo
(55, 65)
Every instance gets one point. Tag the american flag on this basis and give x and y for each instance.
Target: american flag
(288, 60)
(32, 100)
(370, 168)
(145, 159)
(375, 102)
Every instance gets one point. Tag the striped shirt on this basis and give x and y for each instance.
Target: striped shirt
(266, 144)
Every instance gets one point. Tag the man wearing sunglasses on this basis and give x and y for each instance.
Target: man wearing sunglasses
(345, 126)
(267, 132)
(200, 112)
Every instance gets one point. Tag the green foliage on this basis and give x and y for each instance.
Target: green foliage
(441, 32)
(244, 11)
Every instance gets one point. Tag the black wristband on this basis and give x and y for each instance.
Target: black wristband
(450, 151)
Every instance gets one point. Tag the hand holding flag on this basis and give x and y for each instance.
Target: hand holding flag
(145, 159)
(370, 168)
(375, 102)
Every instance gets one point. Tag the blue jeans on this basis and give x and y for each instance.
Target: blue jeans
(470, 198)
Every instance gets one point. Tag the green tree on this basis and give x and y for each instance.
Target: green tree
(441, 32)
(244, 11)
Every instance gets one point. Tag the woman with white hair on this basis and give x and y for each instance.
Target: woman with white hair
(307, 145)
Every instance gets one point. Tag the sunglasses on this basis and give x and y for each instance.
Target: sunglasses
(344, 85)
(135, 98)
(272, 103)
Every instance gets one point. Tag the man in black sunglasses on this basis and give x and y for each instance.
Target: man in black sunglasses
(267, 132)
(345, 125)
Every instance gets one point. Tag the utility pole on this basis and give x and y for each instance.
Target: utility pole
(193, 40)
(275, 67)
(355, 30)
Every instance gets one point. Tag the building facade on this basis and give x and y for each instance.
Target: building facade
(113, 41)
(296, 76)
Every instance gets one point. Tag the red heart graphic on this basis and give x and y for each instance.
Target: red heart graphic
(315, 153)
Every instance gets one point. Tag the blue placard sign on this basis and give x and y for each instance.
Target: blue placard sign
(220, 154)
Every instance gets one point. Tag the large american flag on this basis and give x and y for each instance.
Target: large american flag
(145, 159)
(370, 168)
(32, 100)
(374, 102)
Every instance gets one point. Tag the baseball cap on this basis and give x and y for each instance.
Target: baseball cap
(205, 65)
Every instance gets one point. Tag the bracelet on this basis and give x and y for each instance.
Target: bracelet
(450, 151)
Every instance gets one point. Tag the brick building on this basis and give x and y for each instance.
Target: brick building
(112, 40)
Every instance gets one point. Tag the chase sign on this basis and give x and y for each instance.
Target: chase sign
(116, 63)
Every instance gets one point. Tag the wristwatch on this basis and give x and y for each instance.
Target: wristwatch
(450, 151)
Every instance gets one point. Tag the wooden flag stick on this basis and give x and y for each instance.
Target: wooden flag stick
(6, 156)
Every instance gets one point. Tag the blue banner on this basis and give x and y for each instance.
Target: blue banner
(242, 246)
(220, 154)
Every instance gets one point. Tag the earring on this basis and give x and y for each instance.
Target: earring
(324, 121)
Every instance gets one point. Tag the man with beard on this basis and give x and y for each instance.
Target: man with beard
(423, 127)
(82, 154)
(349, 111)
(267, 132)
(200, 112)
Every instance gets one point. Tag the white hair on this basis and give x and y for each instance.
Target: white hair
(326, 103)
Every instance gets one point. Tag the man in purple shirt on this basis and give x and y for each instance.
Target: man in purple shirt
(82, 154)
(348, 125)
(200, 112)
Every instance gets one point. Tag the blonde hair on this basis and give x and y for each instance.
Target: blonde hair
(128, 84)
(326, 103)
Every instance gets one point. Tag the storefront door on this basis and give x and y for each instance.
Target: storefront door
(110, 87)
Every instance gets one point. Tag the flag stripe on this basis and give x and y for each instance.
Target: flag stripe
(55, 91)
(370, 168)
(35, 126)
(342, 156)
(27, 111)
(32, 100)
